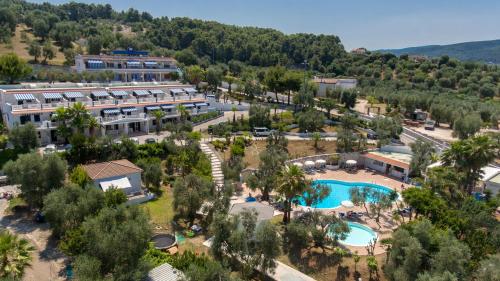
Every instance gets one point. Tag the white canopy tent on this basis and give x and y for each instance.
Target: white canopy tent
(121, 183)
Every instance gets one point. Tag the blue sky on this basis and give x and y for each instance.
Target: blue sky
(360, 23)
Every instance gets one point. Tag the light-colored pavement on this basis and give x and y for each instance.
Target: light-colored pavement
(47, 263)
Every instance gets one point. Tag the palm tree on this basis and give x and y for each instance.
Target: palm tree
(316, 137)
(61, 115)
(293, 183)
(183, 112)
(469, 156)
(93, 124)
(234, 109)
(79, 116)
(158, 114)
(15, 255)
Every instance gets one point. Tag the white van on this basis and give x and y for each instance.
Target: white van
(261, 131)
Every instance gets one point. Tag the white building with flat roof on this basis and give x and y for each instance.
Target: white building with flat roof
(325, 84)
(119, 109)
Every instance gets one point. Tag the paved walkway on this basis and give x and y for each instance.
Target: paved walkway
(48, 262)
(217, 174)
(287, 273)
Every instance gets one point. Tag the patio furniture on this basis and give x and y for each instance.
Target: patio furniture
(320, 164)
(309, 165)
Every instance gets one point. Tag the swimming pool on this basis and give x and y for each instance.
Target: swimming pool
(339, 191)
(359, 236)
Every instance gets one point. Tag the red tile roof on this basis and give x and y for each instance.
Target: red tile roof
(110, 169)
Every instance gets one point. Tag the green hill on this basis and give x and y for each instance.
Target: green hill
(482, 51)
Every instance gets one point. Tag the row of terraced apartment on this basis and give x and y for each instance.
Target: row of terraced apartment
(120, 109)
(128, 65)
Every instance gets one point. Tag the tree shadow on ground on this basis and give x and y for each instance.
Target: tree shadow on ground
(313, 261)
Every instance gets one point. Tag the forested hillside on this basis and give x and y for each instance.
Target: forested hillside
(482, 51)
(101, 29)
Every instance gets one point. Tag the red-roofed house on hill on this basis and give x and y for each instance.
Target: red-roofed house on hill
(121, 174)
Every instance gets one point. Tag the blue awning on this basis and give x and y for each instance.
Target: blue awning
(190, 90)
(168, 106)
(111, 111)
(133, 63)
(100, 94)
(129, 109)
(21, 97)
(150, 63)
(73, 95)
(119, 93)
(188, 105)
(52, 96)
(152, 107)
(176, 91)
(157, 92)
(141, 93)
(201, 104)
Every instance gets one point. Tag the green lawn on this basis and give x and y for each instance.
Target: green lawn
(161, 210)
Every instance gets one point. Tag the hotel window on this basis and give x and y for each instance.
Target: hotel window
(37, 117)
(378, 163)
(399, 169)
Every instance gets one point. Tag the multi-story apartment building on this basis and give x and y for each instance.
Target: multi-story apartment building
(120, 110)
(128, 65)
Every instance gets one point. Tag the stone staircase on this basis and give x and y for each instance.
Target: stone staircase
(217, 174)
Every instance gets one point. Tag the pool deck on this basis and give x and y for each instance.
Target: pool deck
(387, 224)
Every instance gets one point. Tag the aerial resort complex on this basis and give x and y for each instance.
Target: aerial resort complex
(140, 147)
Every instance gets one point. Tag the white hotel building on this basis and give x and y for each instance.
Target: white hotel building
(120, 110)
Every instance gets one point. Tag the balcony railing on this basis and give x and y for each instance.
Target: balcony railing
(111, 101)
(122, 117)
(133, 70)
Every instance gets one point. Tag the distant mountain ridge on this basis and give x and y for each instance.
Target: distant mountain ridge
(482, 51)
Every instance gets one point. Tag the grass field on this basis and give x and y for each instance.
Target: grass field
(161, 210)
(19, 46)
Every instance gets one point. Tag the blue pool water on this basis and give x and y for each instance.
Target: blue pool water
(360, 235)
(340, 192)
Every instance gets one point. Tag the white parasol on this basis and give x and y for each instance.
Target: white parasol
(351, 162)
(309, 163)
(298, 164)
(320, 162)
(347, 204)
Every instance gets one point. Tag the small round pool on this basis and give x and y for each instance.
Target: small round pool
(339, 191)
(359, 236)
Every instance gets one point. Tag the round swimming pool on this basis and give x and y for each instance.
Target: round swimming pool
(359, 236)
(339, 191)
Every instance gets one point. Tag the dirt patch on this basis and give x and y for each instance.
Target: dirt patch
(20, 47)
(326, 267)
(325, 129)
(296, 149)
